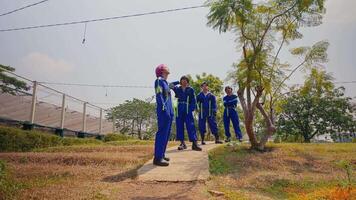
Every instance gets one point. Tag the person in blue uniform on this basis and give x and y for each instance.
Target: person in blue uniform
(165, 115)
(207, 108)
(230, 114)
(184, 114)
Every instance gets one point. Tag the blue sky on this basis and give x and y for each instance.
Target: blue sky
(126, 51)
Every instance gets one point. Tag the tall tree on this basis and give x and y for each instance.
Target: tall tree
(135, 116)
(262, 29)
(9, 84)
(316, 108)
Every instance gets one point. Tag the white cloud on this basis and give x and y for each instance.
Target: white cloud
(42, 63)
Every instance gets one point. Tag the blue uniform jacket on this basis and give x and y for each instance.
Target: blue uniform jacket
(163, 98)
(186, 99)
(207, 104)
(230, 101)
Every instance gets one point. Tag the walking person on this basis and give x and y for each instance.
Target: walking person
(230, 114)
(207, 108)
(186, 107)
(165, 115)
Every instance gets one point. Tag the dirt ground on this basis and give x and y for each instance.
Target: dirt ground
(94, 172)
(288, 171)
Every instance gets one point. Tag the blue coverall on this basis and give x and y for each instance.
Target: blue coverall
(207, 111)
(230, 113)
(184, 115)
(165, 117)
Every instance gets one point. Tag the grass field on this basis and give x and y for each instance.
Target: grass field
(107, 170)
(287, 171)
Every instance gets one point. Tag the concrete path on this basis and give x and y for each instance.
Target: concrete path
(186, 165)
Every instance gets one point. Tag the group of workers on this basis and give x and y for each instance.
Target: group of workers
(204, 103)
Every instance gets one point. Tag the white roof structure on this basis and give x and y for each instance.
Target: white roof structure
(19, 107)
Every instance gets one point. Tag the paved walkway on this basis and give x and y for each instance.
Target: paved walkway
(185, 165)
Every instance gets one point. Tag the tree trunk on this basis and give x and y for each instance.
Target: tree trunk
(270, 129)
(250, 132)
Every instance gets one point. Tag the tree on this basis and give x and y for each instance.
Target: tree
(215, 84)
(9, 84)
(136, 116)
(262, 29)
(316, 112)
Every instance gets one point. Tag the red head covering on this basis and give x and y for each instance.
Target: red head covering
(160, 69)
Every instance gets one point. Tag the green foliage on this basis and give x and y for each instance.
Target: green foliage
(69, 141)
(215, 84)
(259, 26)
(116, 137)
(135, 117)
(316, 108)
(217, 162)
(14, 140)
(9, 84)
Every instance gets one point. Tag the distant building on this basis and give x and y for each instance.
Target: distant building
(344, 137)
(322, 138)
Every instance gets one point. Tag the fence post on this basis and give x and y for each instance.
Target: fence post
(101, 121)
(33, 105)
(63, 111)
(84, 117)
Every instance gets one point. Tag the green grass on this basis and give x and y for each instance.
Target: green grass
(285, 171)
(219, 157)
(8, 187)
(117, 137)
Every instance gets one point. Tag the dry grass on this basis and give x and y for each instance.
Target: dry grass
(286, 171)
(92, 172)
(74, 172)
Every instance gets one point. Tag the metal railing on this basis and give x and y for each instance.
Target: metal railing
(49, 107)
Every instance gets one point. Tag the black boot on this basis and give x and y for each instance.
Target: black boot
(182, 146)
(202, 140)
(217, 141)
(195, 146)
(228, 139)
(166, 159)
(160, 162)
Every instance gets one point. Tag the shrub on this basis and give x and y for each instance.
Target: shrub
(116, 137)
(79, 141)
(14, 140)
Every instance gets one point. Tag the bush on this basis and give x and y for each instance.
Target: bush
(116, 137)
(79, 141)
(14, 140)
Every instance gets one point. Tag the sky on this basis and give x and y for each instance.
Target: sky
(125, 52)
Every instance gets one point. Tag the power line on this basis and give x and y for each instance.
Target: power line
(143, 86)
(97, 85)
(22, 8)
(102, 19)
(336, 82)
